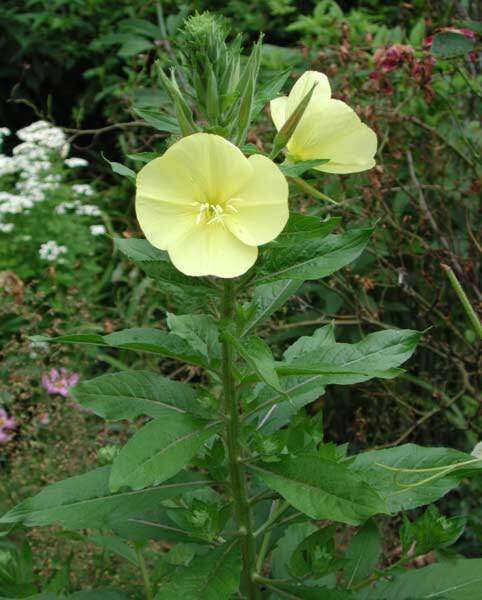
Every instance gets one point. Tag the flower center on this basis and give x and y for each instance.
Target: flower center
(212, 213)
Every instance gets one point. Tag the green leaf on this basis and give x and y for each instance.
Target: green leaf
(257, 355)
(305, 227)
(121, 170)
(134, 46)
(322, 489)
(131, 394)
(363, 553)
(311, 259)
(430, 531)
(212, 576)
(141, 339)
(298, 168)
(377, 355)
(398, 488)
(450, 580)
(86, 501)
(116, 546)
(303, 592)
(158, 120)
(156, 264)
(267, 299)
(159, 450)
(269, 90)
(283, 136)
(315, 555)
(143, 157)
(291, 537)
(200, 332)
(448, 44)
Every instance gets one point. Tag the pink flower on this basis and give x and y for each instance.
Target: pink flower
(389, 58)
(56, 382)
(5, 423)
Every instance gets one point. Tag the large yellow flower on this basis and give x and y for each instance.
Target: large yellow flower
(329, 129)
(209, 206)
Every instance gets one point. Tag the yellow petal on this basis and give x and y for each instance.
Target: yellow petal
(218, 167)
(212, 250)
(260, 210)
(164, 197)
(336, 133)
(278, 108)
(353, 153)
(303, 86)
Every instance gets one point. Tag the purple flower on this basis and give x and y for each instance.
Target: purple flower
(6, 422)
(59, 382)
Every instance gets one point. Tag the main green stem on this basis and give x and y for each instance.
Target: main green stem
(237, 473)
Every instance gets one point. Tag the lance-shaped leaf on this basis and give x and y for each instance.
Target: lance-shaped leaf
(121, 169)
(395, 473)
(257, 355)
(211, 576)
(141, 339)
(116, 546)
(159, 450)
(459, 579)
(284, 134)
(158, 120)
(131, 394)
(156, 264)
(321, 488)
(269, 90)
(267, 299)
(377, 355)
(183, 112)
(86, 501)
(311, 259)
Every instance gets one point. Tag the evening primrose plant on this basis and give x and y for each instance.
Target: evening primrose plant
(233, 468)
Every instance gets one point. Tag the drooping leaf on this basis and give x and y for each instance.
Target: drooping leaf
(200, 332)
(159, 450)
(130, 394)
(363, 553)
(451, 580)
(322, 489)
(141, 339)
(86, 501)
(406, 490)
(310, 259)
(212, 576)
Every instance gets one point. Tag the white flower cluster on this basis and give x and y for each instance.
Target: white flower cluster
(51, 251)
(86, 210)
(32, 161)
(97, 229)
(75, 162)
